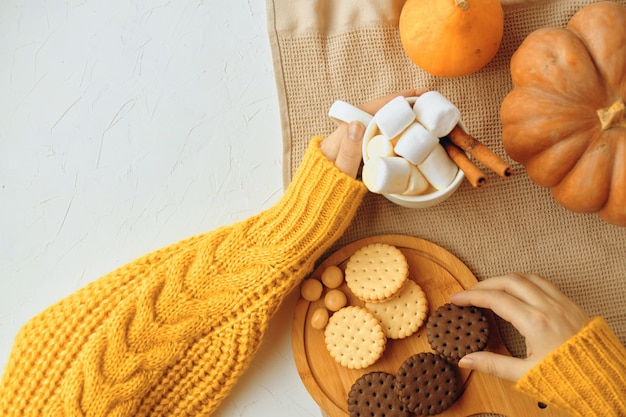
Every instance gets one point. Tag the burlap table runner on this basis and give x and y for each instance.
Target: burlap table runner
(326, 50)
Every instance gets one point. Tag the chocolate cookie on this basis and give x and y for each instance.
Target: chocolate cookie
(454, 331)
(374, 395)
(427, 384)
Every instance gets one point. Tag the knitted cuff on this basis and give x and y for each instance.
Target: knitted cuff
(314, 212)
(586, 376)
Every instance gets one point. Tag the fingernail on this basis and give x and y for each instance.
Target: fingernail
(466, 362)
(354, 131)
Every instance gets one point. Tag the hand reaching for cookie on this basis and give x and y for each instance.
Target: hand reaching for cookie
(343, 146)
(535, 307)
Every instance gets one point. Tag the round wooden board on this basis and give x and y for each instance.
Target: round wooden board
(440, 274)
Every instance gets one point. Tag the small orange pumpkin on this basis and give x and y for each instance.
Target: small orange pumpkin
(564, 120)
(451, 38)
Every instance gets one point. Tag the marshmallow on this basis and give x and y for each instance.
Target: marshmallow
(346, 112)
(416, 143)
(418, 184)
(436, 113)
(438, 168)
(388, 175)
(379, 146)
(394, 117)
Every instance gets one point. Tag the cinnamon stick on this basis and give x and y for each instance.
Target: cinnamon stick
(479, 151)
(473, 174)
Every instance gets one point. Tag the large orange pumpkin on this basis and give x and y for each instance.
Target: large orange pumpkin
(564, 119)
(451, 38)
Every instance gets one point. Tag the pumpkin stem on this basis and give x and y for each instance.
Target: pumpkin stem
(612, 115)
(463, 4)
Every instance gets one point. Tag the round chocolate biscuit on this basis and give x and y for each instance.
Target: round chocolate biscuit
(374, 395)
(427, 384)
(454, 331)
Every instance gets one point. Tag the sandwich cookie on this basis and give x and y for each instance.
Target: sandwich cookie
(454, 331)
(427, 384)
(354, 337)
(404, 314)
(376, 272)
(374, 395)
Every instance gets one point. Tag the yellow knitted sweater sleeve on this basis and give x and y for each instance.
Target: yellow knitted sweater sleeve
(169, 333)
(585, 377)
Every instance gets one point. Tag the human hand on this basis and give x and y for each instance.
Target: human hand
(343, 146)
(535, 307)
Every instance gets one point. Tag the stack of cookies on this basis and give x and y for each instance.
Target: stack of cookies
(393, 306)
(426, 383)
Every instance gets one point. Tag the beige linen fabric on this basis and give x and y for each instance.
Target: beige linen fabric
(349, 49)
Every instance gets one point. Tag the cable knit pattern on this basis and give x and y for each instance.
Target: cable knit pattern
(170, 333)
(585, 377)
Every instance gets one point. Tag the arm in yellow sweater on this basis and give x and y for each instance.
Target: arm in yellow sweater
(170, 333)
(573, 363)
(585, 377)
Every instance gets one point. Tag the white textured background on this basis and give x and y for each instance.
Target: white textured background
(126, 126)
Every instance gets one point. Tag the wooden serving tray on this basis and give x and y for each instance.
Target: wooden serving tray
(440, 274)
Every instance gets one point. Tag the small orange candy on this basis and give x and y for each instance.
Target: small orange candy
(319, 318)
(311, 289)
(332, 277)
(335, 300)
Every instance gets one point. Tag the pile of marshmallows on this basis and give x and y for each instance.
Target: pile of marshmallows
(404, 155)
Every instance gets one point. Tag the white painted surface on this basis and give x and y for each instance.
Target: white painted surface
(126, 126)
